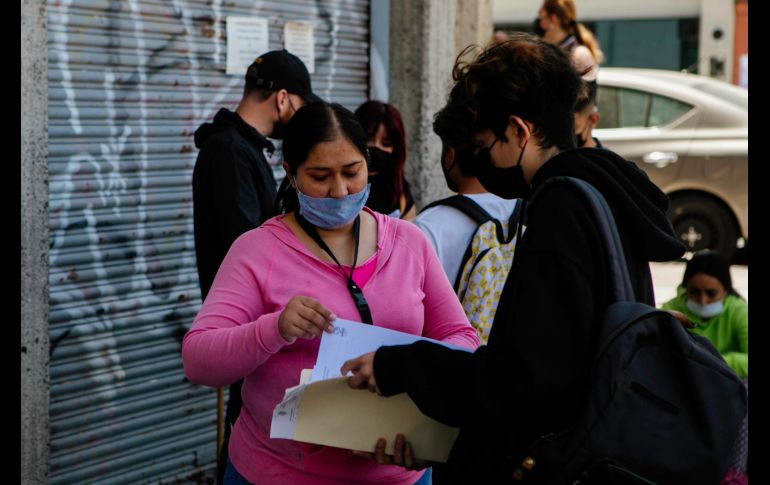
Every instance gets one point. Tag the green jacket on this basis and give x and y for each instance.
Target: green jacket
(728, 331)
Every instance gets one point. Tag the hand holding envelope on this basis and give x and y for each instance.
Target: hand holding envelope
(363, 372)
(363, 378)
(327, 411)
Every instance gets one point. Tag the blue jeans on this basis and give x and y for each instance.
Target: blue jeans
(425, 479)
(232, 477)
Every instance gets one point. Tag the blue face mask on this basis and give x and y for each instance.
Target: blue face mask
(705, 311)
(331, 213)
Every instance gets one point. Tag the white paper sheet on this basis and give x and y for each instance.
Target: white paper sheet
(286, 413)
(298, 39)
(352, 339)
(246, 39)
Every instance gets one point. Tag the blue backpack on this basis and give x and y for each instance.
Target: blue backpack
(663, 406)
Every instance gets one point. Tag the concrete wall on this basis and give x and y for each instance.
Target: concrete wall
(34, 243)
(473, 23)
(715, 49)
(422, 54)
(422, 51)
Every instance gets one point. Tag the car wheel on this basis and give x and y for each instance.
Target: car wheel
(703, 223)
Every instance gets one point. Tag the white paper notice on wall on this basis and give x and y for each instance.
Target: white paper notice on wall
(298, 39)
(246, 39)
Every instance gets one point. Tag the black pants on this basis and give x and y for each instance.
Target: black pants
(234, 403)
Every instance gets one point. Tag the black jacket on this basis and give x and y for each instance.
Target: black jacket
(533, 375)
(233, 189)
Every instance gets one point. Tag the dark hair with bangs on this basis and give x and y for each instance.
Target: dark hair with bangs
(312, 124)
(373, 113)
(525, 77)
(710, 263)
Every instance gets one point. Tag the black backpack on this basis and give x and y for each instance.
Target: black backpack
(663, 406)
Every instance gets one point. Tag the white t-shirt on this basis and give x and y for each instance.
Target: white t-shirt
(450, 231)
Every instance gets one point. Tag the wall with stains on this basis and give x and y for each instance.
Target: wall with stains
(34, 244)
(129, 82)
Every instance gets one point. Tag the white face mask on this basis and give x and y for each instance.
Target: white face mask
(706, 311)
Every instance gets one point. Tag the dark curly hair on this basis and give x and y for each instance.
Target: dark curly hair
(523, 76)
(449, 125)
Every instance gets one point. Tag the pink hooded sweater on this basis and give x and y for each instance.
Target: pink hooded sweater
(235, 335)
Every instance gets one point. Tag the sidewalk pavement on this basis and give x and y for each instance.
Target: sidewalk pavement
(667, 276)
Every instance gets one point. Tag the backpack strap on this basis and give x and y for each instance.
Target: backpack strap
(620, 279)
(513, 230)
(514, 222)
(475, 212)
(464, 205)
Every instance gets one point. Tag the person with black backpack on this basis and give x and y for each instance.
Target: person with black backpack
(577, 347)
(472, 232)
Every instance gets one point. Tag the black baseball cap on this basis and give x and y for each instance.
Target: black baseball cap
(280, 69)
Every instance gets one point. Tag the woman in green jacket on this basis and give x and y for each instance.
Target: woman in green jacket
(706, 296)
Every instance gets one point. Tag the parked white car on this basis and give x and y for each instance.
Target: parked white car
(690, 134)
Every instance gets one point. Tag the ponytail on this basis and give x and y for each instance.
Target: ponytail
(567, 15)
(586, 38)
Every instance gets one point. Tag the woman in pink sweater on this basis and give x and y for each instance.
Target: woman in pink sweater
(277, 290)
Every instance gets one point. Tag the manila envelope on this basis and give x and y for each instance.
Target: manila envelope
(333, 414)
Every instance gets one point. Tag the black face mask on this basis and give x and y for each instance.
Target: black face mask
(381, 161)
(279, 130)
(507, 183)
(536, 29)
(580, 140)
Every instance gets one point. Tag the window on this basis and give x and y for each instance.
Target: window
(734, 95)
(630, 108)
(634, 108)
(664, 110)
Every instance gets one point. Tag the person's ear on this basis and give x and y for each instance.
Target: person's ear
(521, 129)
(594, 118)
(281, 103)
(449, 158)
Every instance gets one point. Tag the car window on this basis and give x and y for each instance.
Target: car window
(607, 102)
(664, 110)
(621, 108)
(729, 93)
(634, 106)
(630, 108)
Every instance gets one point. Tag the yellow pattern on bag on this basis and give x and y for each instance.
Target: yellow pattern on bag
(484, 275)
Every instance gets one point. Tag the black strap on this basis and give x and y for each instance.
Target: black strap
(355, 291)
(465, 205)
(478, 214)
(620, 279)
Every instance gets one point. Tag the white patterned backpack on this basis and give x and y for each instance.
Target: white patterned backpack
(486, 262)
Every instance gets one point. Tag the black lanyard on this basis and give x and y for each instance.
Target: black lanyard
(355, 291)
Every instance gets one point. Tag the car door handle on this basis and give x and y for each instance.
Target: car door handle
(660, 159)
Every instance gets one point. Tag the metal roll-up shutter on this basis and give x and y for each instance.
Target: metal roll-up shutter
(129, 82)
